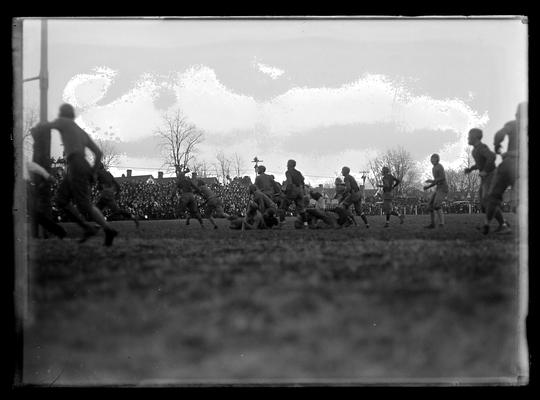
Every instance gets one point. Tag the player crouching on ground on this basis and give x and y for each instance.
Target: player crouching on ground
(441, 191)
(253, 219)
(389, 182)
(319, 218)
(264, 204)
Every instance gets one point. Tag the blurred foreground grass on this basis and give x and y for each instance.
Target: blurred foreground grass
(171, 303)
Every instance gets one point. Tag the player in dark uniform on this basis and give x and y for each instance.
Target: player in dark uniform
(75, 187)
(265, 205)
(320, 218)
(484, 162)
(340, 189)
(294, 190)
(264, 182)
(187, 190)
(253, 219)
(441, 191)
(352, 196)
(506, 174)
(109, 190)
(389, 182)
(213, 204)
(38, 206)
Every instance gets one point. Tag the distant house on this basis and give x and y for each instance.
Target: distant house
(210, 181)
(135, 178)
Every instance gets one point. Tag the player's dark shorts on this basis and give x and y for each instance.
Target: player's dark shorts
(436, 200)
(505, 176)
(353, 199)
(295, 194)
(189, 203)
(214, 206)
(387, 205)
(76, 184)
(485, 186)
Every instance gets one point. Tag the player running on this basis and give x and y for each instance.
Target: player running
(506, 174)
(484, 160)
(187, 188)
(294, 190)
(352, 196)
(109, 190)
(441, 191)
(74, 191)
(213, 204)
(389, 183)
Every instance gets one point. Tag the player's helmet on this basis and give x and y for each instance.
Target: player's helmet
(291, 163)
(252, 188)
(261, 169)
(345, 170)
(66, 111)
(385, 170)
(338, 180)
(435, 156)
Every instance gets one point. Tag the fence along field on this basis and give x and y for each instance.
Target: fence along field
(176, 304)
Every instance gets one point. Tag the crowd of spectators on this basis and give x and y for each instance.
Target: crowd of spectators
(159, 200)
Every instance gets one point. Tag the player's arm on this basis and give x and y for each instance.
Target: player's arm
(39, 170)
(470, 169)
(94, 148)
(499, 136)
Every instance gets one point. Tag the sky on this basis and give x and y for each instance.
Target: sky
(325, 92)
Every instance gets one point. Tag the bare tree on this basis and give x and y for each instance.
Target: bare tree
(472, 179)
(238, 163)
(223, 166)
(401, 165)
(201, 168)
(30, 119)
(111, 155)
(179, 140)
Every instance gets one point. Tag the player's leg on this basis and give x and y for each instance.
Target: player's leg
(437, 206)
(194, 210)
(209, 211)
(387, 209)
(64, 202)
(504, 178)
(431, 210)
(360, 211)
(80, 189)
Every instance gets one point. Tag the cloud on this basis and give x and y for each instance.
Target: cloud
(272, 72)
(313, 115)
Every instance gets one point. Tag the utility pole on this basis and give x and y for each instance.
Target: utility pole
(364, 176)
(256, 161)
(43, 77)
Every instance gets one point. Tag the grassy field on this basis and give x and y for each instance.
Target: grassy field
(175, 304)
